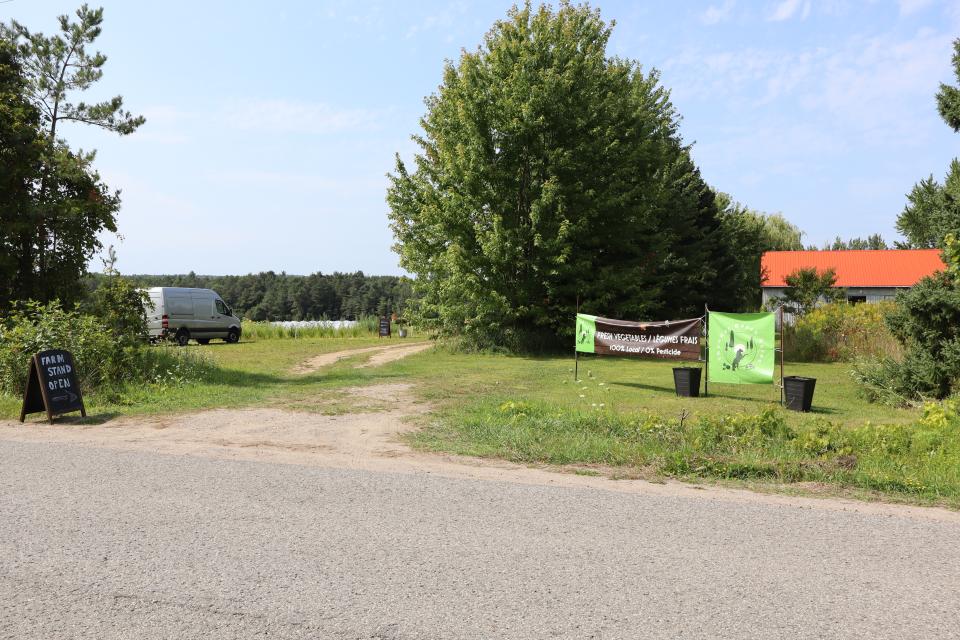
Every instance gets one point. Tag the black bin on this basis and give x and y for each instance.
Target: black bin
(686, 380)
(798, 392)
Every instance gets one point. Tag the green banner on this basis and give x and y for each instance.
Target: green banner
(586, 329)
(742, 347)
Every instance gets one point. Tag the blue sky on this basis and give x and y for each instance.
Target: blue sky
(271, 126)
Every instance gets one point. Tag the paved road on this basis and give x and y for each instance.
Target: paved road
(112, 544)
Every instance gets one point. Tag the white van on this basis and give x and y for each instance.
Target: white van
(181, 314)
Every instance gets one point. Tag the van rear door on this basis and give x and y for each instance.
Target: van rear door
(154, 310)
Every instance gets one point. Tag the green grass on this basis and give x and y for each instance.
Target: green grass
(621, 418)
(246, 374)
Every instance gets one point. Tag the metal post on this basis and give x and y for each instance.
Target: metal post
(782, 349)
(706, 337)
(576, 365)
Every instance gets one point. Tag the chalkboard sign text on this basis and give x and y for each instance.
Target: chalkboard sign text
(52, 385)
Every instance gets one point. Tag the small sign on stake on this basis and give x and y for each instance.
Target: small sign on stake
(52, 386)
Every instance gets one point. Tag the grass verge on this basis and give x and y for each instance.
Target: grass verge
(917, 461)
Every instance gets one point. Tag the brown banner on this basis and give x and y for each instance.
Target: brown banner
(668, 340)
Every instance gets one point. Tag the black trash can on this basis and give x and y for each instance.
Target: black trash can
(798, 392)
(686, 380)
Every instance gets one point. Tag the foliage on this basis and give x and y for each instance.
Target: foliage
(872, 242)
(103, 362)
(951, 254)
(926, 321)
(270, 296)
(55, 204)
(20, 153)
(119, 305)
(751, 233)
(841, 332)
(919, 459)
(927, 318)
(933, 210)
(549, 171)
(779, 234)
(948, 98)
(59, 66)
(807, 287)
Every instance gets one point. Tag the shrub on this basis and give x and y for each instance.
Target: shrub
(103, 361)
(33, 327)
(120, 307)
(842, 332)
(926, 322)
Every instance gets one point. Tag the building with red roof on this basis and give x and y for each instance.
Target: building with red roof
(868, 275)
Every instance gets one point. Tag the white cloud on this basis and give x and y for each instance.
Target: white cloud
(863, 84)
(444, 20)
(717, 13)
(787, 9)
(908, 7)
(792, 113)
(293, 116)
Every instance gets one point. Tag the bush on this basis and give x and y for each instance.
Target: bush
(120, 307)
(842, 332)
(926, 321)
(103, 361)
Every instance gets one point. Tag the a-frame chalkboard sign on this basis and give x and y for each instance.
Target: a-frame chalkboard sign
(384, 327)
(52, 386)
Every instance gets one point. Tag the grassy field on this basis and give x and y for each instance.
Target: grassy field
(253, 372)
(621, 418)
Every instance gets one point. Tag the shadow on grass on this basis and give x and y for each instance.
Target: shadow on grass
(729, 396)
(647, 387)
(332, 377)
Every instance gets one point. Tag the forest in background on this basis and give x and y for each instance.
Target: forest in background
(280, 296)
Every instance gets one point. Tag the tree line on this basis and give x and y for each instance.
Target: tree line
(281, 296)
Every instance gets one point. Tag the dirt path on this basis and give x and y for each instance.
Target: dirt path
(387, 356)
(384, 355)
(370, 440)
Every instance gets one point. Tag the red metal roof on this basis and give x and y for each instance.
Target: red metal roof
(883, 268)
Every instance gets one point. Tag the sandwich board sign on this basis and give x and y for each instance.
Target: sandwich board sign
(384, 327)
(52, 385)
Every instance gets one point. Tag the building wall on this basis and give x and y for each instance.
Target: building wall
(872, 294)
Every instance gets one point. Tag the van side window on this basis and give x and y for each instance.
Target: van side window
(221, 308)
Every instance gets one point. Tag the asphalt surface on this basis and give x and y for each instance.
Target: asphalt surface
(110, 544)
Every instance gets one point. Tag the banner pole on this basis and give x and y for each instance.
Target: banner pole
(576, 353)
(706, 336)
(783, 348)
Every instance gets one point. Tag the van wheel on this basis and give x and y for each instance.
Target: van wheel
(203, 340)
(183, 337)
(233, 336)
